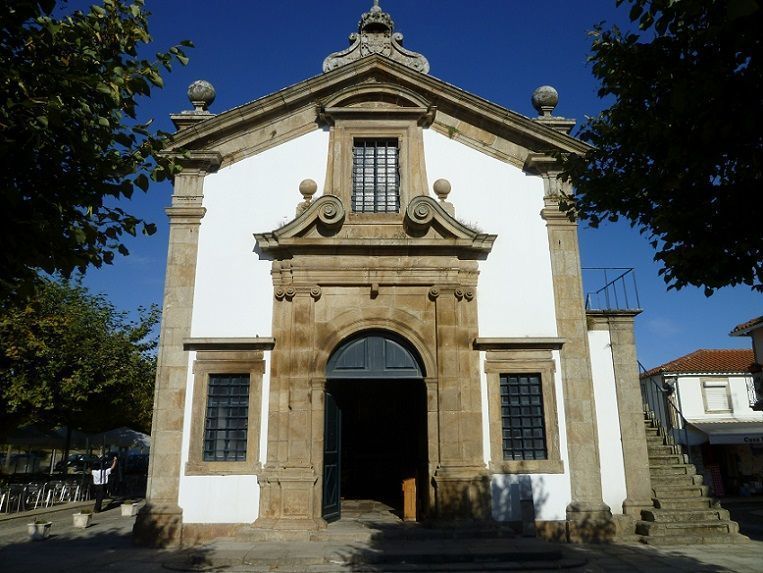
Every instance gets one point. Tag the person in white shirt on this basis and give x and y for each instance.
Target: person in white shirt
(100, 480)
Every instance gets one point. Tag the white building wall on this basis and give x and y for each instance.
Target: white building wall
(551, 493)
(689, 391)
(234, 290)
(234, 293)
(515, 293)
(613, 487)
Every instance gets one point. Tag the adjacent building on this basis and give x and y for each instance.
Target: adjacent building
(714, 393)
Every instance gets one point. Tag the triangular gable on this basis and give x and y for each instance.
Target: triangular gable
(296, 110)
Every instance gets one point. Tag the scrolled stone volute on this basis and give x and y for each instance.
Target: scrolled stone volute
(420, 213)
(330, 211)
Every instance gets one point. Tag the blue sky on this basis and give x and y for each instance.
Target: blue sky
(500, 50)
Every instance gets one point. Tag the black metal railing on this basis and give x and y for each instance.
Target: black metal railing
(619, 290)
(661, 400)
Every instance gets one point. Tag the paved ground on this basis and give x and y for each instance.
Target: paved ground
(106, 547)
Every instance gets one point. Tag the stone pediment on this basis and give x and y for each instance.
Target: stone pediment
(299, 109)
(326, 227)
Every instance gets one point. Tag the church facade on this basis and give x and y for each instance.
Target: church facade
(370, 284)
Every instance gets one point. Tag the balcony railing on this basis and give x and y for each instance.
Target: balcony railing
(610, 288)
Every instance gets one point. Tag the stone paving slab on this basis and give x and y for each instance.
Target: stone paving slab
(106, 546)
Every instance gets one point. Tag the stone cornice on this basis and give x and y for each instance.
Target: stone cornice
(519, 343)
(311, 92)
(229, 343)
(201, 161)
(604, 319)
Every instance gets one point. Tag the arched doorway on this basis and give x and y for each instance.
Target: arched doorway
(375, 433)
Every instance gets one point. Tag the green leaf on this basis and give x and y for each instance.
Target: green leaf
(142, 182)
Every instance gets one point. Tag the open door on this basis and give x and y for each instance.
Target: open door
(332, 446)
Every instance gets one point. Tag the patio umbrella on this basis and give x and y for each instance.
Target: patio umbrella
(123, 437)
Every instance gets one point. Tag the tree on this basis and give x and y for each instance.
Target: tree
(70, 136)
(679, 152)
(70, 358)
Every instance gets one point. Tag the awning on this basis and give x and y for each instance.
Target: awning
(730, 430)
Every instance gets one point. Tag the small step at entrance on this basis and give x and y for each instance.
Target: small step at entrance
(683, 514)
(371, 538)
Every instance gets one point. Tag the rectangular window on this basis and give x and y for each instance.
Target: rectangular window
(375, 176)
(716, 394)
(522, 417)
(227, 417)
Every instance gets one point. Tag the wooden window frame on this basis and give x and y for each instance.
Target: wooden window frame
(225, 362)
(522, 362)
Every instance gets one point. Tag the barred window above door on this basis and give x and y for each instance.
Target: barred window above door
(375, 176)
(522, 419)
(227, 417)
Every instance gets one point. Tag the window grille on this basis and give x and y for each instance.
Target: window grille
(375, 176)
(524, 431)
(227, 417)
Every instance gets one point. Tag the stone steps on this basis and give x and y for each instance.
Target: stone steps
(683, 513)
(680, 490)
(681, 503)
(679, 515)
(672, 469)
(677, 479)
(667, 459)
(376, 540)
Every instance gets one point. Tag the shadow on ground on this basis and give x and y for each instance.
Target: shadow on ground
(748, 513)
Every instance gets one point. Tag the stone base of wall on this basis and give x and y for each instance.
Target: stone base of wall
(158, 526)
(199, 533)
(591, 529)
(462, 494)
(551, 531)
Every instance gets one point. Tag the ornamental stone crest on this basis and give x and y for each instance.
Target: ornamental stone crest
(376, 35)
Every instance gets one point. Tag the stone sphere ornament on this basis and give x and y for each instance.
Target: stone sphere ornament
(307, 188)
(441, 188)
(544, 99)
(202, 94)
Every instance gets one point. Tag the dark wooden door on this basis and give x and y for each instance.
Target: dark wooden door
(332, 446)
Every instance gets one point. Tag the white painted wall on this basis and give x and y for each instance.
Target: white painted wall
(689, 390)
(551, 493)
(613, 487)
(515, 293)
(234, 293)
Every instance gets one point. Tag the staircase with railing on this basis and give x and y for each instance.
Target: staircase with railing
(683, 513)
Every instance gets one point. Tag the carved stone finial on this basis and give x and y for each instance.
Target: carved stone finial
(442, 190)
(307, 188)
(202, 94)
(376, 35)
(544, 100)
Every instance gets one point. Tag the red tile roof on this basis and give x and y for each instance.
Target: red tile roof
(736, 360)
(744, 328)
